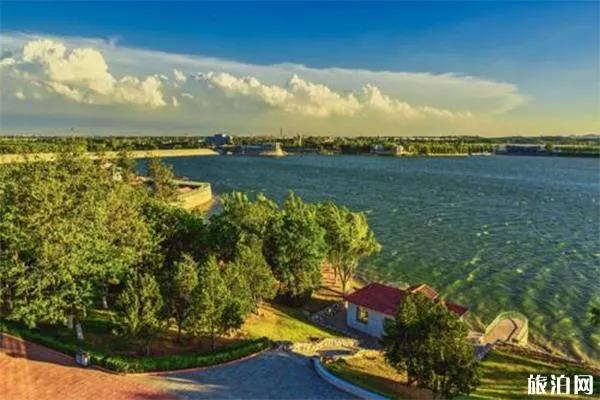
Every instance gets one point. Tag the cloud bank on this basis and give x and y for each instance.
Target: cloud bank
(97, 78)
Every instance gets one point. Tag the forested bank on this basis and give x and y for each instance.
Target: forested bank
(83, 244)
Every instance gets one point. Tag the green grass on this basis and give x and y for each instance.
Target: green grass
(505, 376)
(372, 373)
(278, 322)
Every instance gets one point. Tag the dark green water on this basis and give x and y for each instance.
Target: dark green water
(496, 233)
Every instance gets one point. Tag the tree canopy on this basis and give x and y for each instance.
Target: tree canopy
(79, 230)
(428, 342)
(348, 239)
(64, 227)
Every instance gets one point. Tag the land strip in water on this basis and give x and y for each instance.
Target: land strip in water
(11, 158)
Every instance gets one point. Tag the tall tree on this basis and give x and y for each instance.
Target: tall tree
(139, 305)
(253, 268)
(179, 300)
(427, 341)
(295, 249)
(211, 299)
(162, 177)
(66, 228)
(348, 239)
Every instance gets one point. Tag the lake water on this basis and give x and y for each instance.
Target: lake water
(495, 233)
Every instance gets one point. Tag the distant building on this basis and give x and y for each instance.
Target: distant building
(368, 308)
(220, 139)
(522, 149)
(396, 150)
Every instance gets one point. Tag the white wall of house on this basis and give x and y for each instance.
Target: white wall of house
(374, 325)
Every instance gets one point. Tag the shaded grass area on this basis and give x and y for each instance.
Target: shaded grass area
(100, 344)
(504, 376)
(371, 372)
(278, 322)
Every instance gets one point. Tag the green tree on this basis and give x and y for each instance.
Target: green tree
(185, 280)
(177, 232)
(348, 238)
(253, 267)
(161, 175)
(295, 249)
(139, 305)
(211, 301)
(125, 166)
(241, 222)
(427, 341)
(66, 228)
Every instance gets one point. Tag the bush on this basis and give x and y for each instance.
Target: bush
(139, 364)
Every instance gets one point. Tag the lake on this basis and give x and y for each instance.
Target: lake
(495, 233)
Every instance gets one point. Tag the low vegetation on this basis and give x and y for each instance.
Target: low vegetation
(278, 322)
(371, 372)
(503, 375)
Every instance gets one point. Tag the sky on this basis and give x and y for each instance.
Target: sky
(333, 68)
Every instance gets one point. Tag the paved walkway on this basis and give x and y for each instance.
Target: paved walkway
(29, 371)
(272, 375)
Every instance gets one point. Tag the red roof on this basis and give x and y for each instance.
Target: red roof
(425, 289)
(378, 297)
(386, 299)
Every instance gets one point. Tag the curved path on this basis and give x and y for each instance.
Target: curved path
(271, 375)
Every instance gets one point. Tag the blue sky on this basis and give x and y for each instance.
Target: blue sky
(538, 61)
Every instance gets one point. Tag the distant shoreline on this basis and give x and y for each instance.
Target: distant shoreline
(12, 158)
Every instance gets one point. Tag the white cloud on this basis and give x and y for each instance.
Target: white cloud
(8, 61)
(306, 98)
(179, 76)
(95, 72)
(82, 75)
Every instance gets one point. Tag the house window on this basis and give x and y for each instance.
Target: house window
(362, 315)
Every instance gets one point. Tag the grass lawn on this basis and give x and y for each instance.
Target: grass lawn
(278, 322)
(371, 372)
(504, 376)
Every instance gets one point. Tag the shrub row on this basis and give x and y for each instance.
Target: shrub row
(139, 364)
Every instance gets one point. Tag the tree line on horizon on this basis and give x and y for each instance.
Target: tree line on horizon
(80, 234)
(342, 144)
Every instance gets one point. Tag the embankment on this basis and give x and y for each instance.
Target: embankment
(11, 158)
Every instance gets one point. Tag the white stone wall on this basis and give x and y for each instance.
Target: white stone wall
(375, 324)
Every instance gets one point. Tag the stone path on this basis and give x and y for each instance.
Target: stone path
(29, 371)
(272, 375)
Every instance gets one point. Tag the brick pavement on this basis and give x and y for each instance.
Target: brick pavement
(29, 371)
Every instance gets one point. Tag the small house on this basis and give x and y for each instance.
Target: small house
(369, 307)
